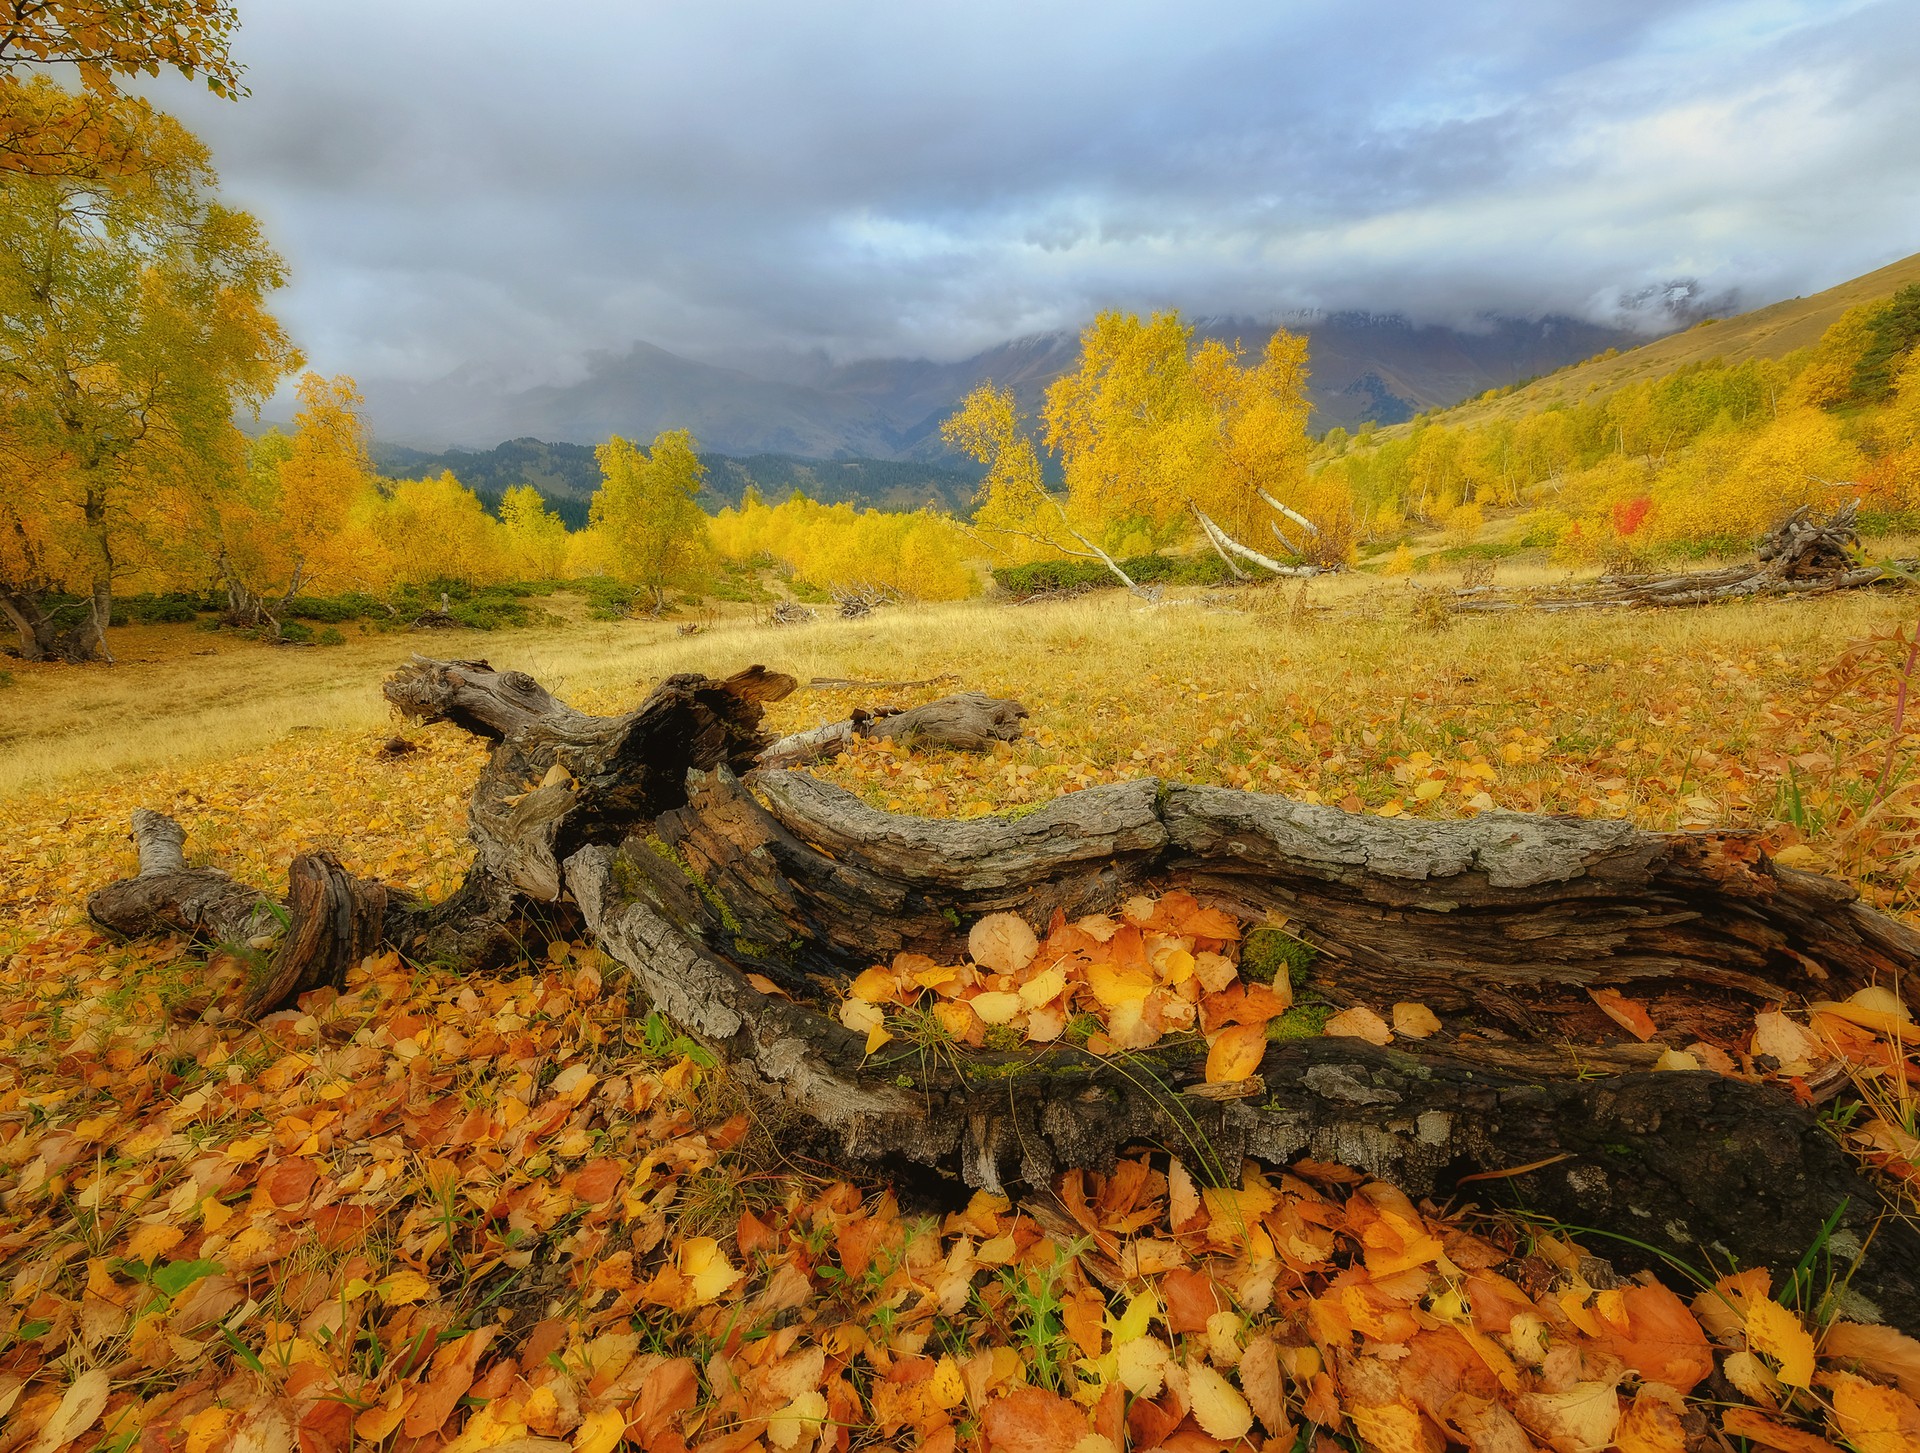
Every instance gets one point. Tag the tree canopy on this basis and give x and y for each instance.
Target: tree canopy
(133, 321)
(654, 530)
(56, 131)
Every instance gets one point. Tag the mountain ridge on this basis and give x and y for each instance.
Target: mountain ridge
(1378, 368)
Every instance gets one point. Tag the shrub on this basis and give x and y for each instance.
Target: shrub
(1541, 529)
(332, 609)
(293, 633)
(491, 613)
(1022, 581)
(1464, 523)
(330, 637)
(147, 610)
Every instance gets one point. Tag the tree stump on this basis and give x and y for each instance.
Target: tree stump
(694, 866)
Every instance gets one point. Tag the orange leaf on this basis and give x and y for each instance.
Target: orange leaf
(1874, 1419)
(1630, 1014)
(452, 1375)
(1662, 1340)
(1236, 1053)
(1761, 1429)
(1190, 1299)
(1033, 1420)
(598, 1180)
(1084, 1317)
(1652, 1424)
(1878, 1349)
(288, 1181)
(1415, 1021)
(1359, 1022)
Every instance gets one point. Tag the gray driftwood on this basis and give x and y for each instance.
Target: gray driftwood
(694, 867)
(969, 721)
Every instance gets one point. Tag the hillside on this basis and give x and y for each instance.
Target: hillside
(1770, 332)
(567, 475)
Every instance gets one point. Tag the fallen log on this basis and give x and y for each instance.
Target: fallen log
(695, 868)
(968, 721)
(1803, 555)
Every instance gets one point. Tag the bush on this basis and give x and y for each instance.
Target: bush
(1022, 581)
(147, 610)
(491, 613)
(332, 609)
(293, 633)
(330, 637)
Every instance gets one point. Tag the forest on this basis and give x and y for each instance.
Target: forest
(1224, 939)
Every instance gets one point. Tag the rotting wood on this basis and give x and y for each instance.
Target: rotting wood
(968, 721)
(1803, 555)
(693, 870)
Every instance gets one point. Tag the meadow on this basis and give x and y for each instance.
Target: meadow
(524, 1212)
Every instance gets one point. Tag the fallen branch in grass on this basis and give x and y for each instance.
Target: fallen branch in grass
(1801, 556)
(745, 900)
(1225, 543)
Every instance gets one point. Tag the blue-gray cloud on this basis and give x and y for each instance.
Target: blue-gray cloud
(456, 184)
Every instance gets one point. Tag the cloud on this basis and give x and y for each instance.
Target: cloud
(456, 185)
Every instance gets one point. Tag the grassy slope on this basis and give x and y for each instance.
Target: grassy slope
(1714, 706)
(1770, 332)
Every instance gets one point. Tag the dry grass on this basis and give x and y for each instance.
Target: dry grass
(1687, 718)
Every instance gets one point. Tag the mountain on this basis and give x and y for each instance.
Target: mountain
(1770, 332)
(567, 475)
(1366, 367)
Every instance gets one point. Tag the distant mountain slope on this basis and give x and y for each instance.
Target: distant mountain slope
(1769, 332)
(1365, 367)
(567, 475)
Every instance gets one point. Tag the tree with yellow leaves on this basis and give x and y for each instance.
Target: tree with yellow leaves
(133, 322)
(432, 532)
(655, 531)
(286, 528)
(1025, 518)
(52, 131)
(533, 536)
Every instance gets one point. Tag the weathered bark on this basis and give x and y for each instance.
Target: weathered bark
(167, 896)
(1500, 923)
(967, 721)
(694, 878)
(1800, 556)
(332, 920)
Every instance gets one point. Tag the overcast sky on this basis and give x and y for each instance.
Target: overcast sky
(465, 181)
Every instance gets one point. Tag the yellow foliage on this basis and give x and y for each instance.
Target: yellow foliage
(923, 555)
(645, 504)
(1464, 523)
(423, 530)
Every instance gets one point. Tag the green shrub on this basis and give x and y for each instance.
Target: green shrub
(1022, 581)
(491, 612)
(330, 636)
(332, 609)
(293, 633)
(147, 610)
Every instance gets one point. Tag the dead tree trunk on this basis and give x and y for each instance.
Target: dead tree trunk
(968, 721)
(694, 877)
(1801, 555)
